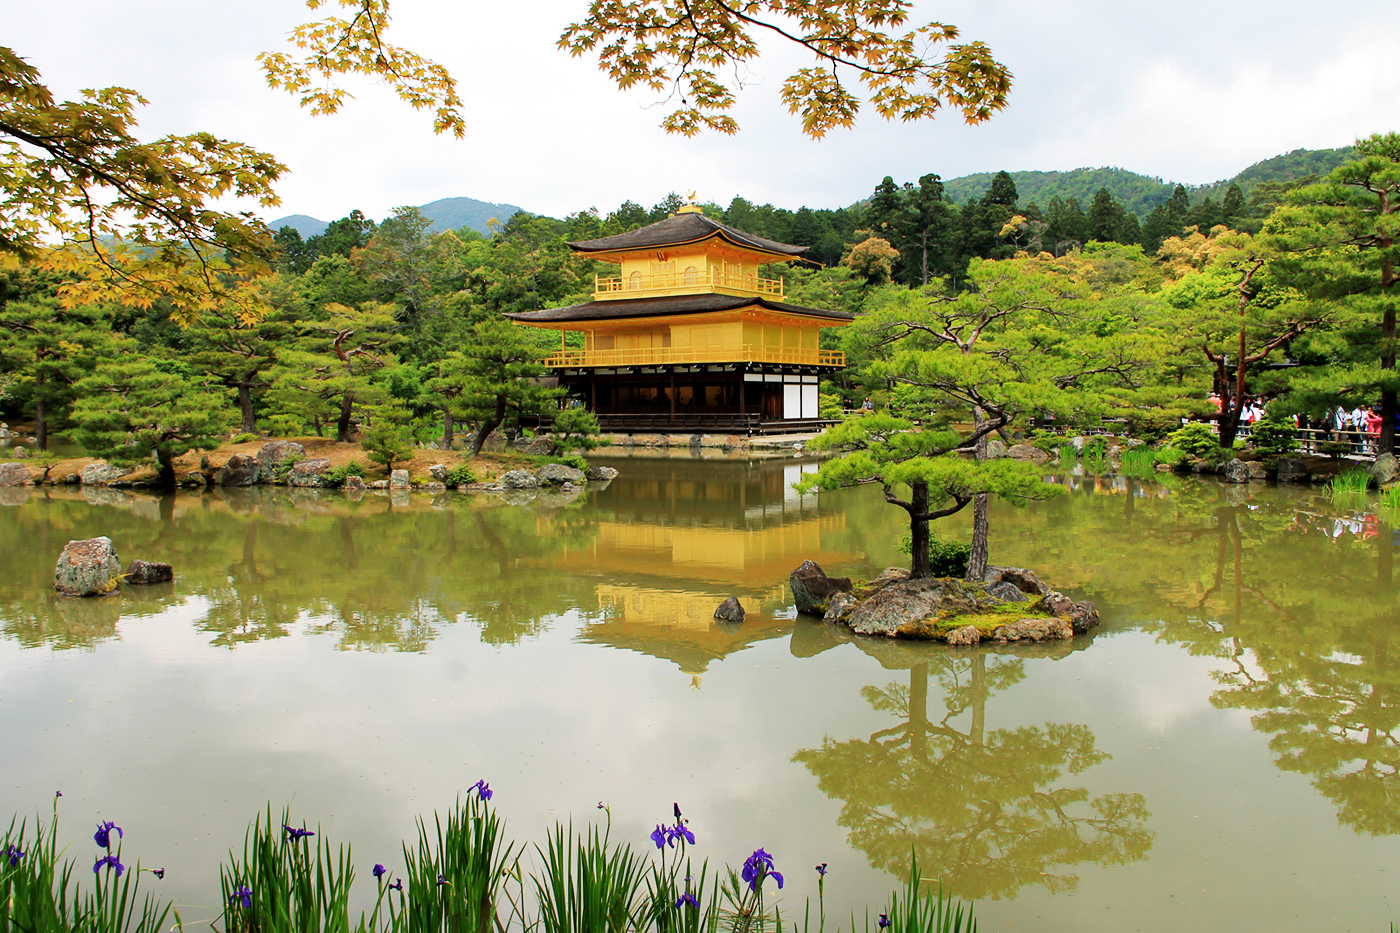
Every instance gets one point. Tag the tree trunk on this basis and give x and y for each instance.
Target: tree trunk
(342, 424)
(918, 711)
(918, 532)
(165, 469)
(977, 557)
(245, 406)
(447, 429)
(41, 415)
(488, 425)
(978, 682)
(1388, 396)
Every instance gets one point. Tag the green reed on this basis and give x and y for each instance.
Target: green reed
(39, 894)
(916, 909)
(1139, 463)
(456, 876)
(1390, 505)
(287, 881)
(588, 884)
(1349, 490)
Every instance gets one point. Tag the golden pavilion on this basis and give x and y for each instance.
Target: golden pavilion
(690, 335)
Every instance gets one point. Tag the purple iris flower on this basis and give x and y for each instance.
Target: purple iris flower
(111, 862)
(159, 873)
(378, 871)
(677, 808)
(759, 866)
(441, 880)
(242, 893)
(14, 855)
(482, 788)
(57, 794)
(660, 835)
(821, 869)
(397, 885)
(681, 831)
(294, 833)
(103, 836)
(687, 898)
(884, 921)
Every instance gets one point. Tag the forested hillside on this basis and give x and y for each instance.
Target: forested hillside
(444, 214)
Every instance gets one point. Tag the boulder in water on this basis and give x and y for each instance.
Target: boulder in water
(144, 573)
(812, 589)
(730, 610)
(88, 568)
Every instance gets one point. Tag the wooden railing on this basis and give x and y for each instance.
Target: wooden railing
(639, 285)
(725, 353)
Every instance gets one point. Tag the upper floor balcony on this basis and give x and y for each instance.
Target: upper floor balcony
(721, 353)
(689, 282)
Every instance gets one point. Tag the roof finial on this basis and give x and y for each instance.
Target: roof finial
(691, 207)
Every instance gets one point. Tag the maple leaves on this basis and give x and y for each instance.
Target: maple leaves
(124, 219)
(679, 46)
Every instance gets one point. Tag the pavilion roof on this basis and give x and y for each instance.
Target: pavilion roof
(685, 227)
(666, 305)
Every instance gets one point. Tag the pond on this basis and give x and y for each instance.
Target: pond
(1219, 755)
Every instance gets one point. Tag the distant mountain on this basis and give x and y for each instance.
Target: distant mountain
(446, 214)
(1138, 193)
(1141, 193)
(304, 224)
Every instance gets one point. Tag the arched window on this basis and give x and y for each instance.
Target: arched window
(634, 282)
(692, 275)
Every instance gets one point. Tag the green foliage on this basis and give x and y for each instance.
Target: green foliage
(242, 438)
(1139, 463)
(573, 460)
(946, 558)
(1274, 436)
(587, 883)
(1349, 490)
(919, 909)
(455, 877)
(1333, 448)
(39, 890)
(1196, 439)
(336, 476)
(385, 443)
(460, 475)
(1390, 505)
(291, 883)
(576, 429)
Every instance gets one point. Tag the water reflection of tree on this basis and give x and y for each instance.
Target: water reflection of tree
(985, 811)
(1315, 664)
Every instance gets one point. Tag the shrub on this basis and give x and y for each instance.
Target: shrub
(1139, 463)
(945, 558)
(1196, 439)
(1334, 448)
(384, 443)
(576, 428)
(1171, 456)
(242, 438)
(1274, 436)
(460, 476)
(336, 477)
(575, 461)
(1047, 441)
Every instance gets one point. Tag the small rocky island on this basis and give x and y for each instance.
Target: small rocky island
(1010, 604)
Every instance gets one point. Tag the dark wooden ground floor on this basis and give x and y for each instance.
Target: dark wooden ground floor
(736, 398)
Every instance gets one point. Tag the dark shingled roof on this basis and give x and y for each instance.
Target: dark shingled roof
(685, 227)
(671, 304)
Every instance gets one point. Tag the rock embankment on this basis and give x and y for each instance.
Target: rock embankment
(1010, 604)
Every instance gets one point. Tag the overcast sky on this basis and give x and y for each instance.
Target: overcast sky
(1191, 91)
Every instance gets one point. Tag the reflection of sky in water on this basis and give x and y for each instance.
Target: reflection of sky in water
(165, 723)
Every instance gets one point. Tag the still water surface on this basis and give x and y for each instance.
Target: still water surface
(1220, 755)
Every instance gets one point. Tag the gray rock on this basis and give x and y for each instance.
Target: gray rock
(812, 589)
(1083, 617)
(275, 452)
(438, 471)
(996, 449)
(967, 635)
(144, 573)
(193, 478)
(517, 479)
(1078, 443)
(887, 576)
(541, 446)
(552, 474)
(1034, 630)
(20, 453)
(1027, 452)
(1058, 603)
(100, 473)
(14, 474)
(1024, 580)
(354, 482)
(88, 568)
(1234, 471)
(1007, 592)
(730, 610)
(1135, 442)
(72, 479)
(309, 473)
(1205, 466)
(1257, 470)
(240, 470)
(600, 474)
(398, 479)
(1291, 470)
(379, 484)
(433, 485)
(839, 607)
(1385, 470)
(897, 605)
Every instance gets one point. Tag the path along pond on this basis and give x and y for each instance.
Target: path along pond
(1220, 755)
